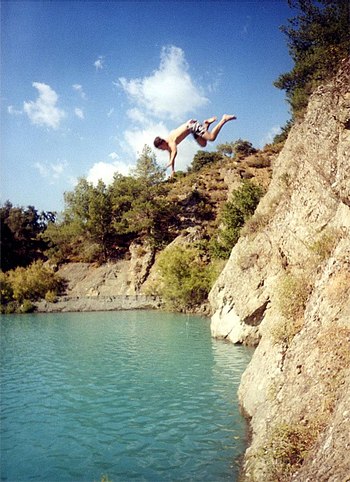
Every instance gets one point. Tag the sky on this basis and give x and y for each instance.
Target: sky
(86, 84)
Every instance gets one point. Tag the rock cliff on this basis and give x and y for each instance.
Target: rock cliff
(111, 286)
(286, 290)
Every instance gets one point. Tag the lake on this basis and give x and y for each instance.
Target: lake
(129, 395)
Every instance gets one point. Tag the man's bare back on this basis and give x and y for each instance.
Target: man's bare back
(199, 131)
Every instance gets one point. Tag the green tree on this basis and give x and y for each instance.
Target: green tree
(85, 230)
(204, 158)
(186, 278)
(147, 170)
(226, 149)
(243, 148)
(99, 223)
(318, 39)
(69, 239)
(139, 203)
(234, 214)
(21, 230)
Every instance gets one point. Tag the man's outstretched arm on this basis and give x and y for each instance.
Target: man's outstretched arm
(172, 155)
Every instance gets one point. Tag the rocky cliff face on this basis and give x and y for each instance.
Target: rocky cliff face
(112, 286)
(286, 289)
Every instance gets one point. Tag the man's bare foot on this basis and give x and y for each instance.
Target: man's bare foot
(210, 121)
(228, 117)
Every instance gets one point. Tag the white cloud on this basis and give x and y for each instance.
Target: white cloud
(44, 111)
(79, 113)
(13, 111)
(110, 112)
(113, 155)
(99, 63)
(170, 91)
(106, 170)
(268, 138)
(134, 140)
(79, 88)
(137, 116)
(52, 172)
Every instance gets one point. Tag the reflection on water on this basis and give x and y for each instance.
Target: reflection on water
(135, 395)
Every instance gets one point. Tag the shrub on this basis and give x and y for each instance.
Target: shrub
(186, 278)
(234, 214)
(256, 224)
(51, 296)
(21, 286)
(33, 282)
(287, 448)
(26, 307)
(326, 243)
(292, 294)
(6, 291)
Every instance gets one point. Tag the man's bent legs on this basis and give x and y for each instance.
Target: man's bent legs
(211, 136)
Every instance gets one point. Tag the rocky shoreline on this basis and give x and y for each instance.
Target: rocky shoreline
(99, 303)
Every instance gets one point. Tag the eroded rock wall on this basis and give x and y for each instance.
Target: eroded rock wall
(286, 289)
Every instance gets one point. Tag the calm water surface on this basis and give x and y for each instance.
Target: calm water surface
(145, 396)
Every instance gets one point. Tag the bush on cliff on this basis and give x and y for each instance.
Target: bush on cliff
(234, 214)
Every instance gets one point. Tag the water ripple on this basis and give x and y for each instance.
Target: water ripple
(140, 396)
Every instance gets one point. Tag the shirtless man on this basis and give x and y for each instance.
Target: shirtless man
(199, 131)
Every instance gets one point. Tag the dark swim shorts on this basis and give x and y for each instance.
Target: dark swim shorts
(197, 129)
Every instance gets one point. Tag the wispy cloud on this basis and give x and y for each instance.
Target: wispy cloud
(79, 113)
(246, 25)
(13, 111)
(44, 111)
(79, 88)
(51, 171)
(99, 63)
(170, 91)
(268, 138)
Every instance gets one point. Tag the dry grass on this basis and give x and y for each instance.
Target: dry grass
(255, 224)
(325, 244)
(287, 448)
(292, 294)
(339, 287)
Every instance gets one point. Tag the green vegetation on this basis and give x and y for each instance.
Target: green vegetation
(21, 286)
(292, 294)
(234, 215)
(325, 244)
(204, 158)
(318, 39)
(99, 222)
(287, 448)
(186, 277)
(20, 238)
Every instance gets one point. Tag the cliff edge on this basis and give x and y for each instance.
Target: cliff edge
(286, 290)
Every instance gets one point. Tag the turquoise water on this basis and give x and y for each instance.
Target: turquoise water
(145, 396)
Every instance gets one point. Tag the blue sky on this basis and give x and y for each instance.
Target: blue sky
(86, 84)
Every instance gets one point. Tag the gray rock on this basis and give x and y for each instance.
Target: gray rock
(297, 384)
